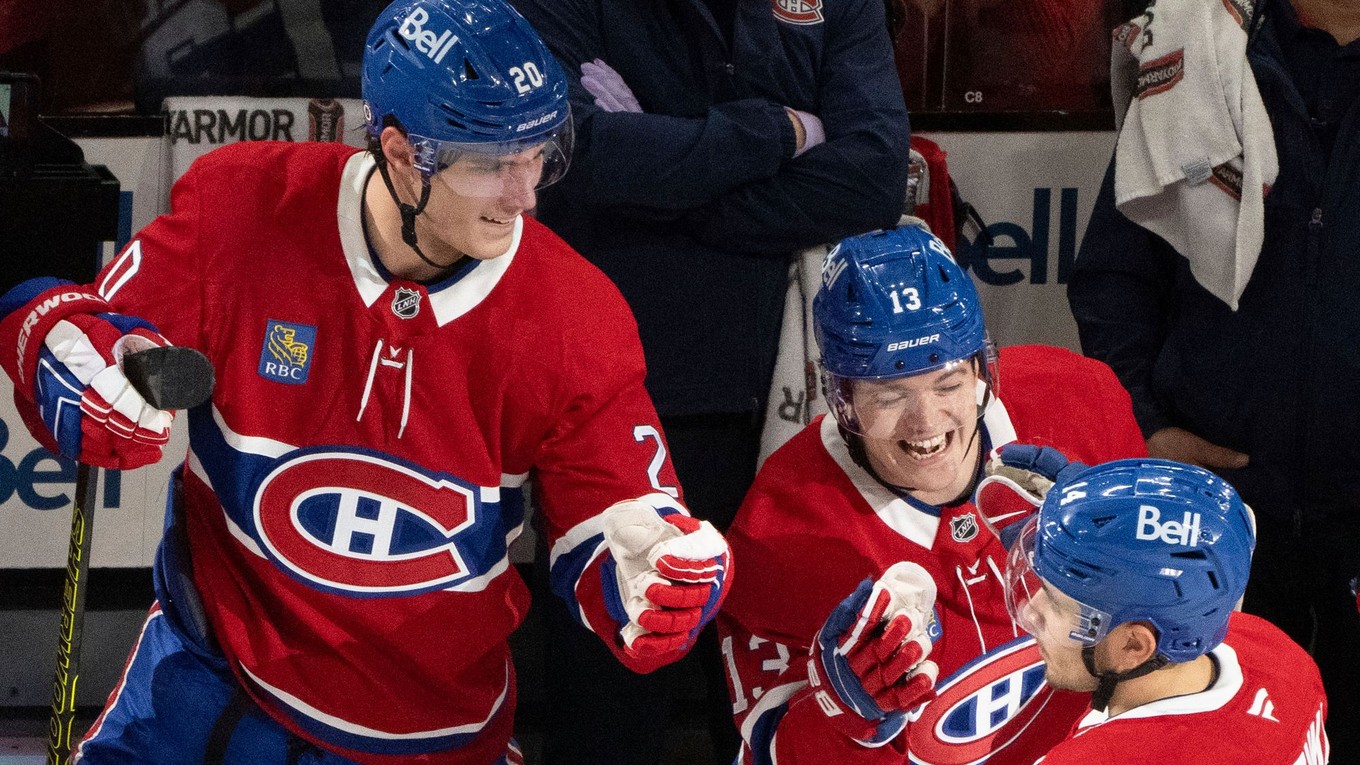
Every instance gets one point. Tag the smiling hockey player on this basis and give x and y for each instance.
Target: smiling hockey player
(868, 515)
(398, 348)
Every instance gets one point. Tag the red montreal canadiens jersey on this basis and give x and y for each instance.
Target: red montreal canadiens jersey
(352, 489)
(815, 524)
(1267, 706)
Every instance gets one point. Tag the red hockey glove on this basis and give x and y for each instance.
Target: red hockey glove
(70, 347)
(665, 578)
(1018, 478)
(868, 665)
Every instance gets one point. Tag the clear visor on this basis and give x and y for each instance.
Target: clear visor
(878, 408)
(496, 169)
(1041, 609)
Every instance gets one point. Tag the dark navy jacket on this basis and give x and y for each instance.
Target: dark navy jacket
(1280, 378)
(694, 207)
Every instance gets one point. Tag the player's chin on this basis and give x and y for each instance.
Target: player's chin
(488, 245)
(932, 473)
(1070, 679)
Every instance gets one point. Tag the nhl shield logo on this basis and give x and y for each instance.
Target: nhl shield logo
(798, 11)
(406, 303)
(963, 528)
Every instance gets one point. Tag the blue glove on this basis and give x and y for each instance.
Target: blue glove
(871, 653)
(611, 93)
(1018, 478)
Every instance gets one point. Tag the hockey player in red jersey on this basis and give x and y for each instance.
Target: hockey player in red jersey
(867, 519)
(1127, 577)
(398, 348)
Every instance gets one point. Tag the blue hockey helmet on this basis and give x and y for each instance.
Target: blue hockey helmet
(1138, 540)
(466, 76)
(893, 304)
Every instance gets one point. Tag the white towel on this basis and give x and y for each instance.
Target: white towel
(1196, 154)
(795, 390)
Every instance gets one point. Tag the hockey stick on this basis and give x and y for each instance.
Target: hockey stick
(168, 378)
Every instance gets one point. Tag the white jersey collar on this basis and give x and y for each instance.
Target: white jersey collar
(1224, 689)
(448, 301)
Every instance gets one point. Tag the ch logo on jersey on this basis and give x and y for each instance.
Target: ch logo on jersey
(361, 523)
(981, 708)
(963, 528)
(798, 11)
(406, 303)
(287, 353)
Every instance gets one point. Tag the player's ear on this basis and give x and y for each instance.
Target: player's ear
(1131, 643)
(396, 148)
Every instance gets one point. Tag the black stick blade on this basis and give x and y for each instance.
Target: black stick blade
(170, 377)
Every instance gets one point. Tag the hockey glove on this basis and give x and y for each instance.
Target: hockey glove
(868, 665)
(665, 578)
(90, 410)
(1018, 478)
(607, 86)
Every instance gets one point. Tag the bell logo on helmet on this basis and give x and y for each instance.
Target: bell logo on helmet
(1184, 532)
(833, 267)
(938, 247)
(427, 42)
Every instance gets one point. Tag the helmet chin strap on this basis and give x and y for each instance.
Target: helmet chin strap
(1100, 699)
(408, 217)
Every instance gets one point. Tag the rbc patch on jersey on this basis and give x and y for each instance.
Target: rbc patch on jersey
(287, 353)
(981, 708)
(934, 630)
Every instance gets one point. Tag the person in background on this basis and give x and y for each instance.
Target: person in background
(715, 139)
(1264, 395)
